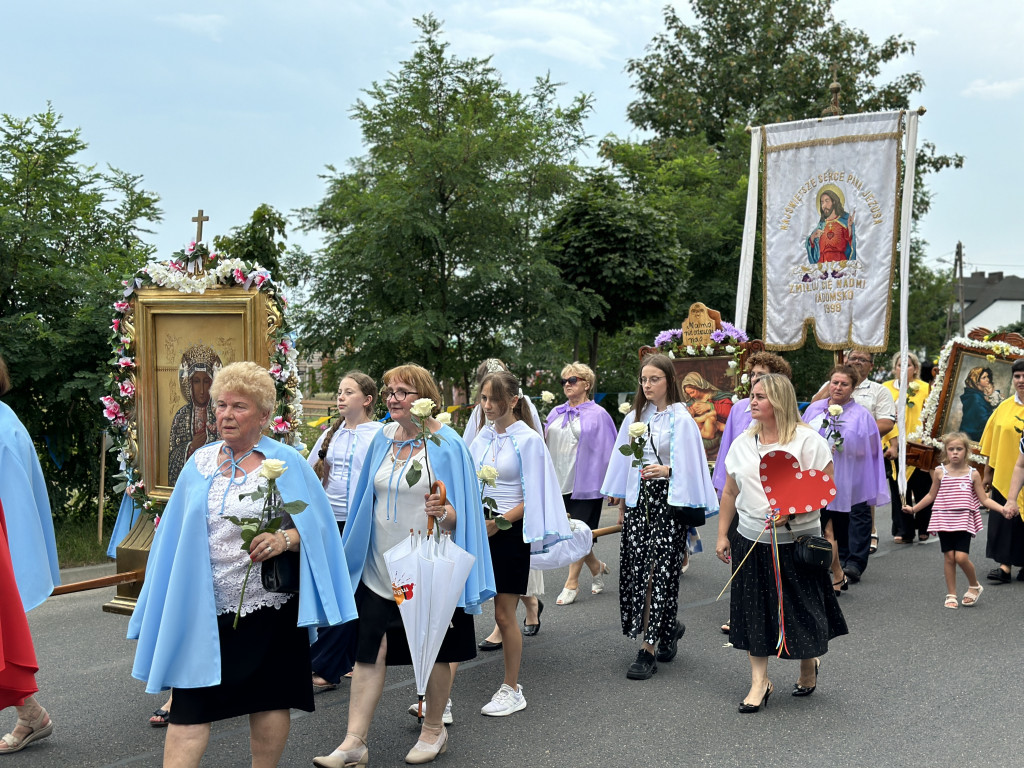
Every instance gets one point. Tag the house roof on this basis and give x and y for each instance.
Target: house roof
(982, 290)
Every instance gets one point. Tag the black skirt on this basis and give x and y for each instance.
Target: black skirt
(585, 510)
(811, 611)
(1005, 542)
(379, 616)
(510, 559)
(264, 666)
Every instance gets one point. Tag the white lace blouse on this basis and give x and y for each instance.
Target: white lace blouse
(227, 558)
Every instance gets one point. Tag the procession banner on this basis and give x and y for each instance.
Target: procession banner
(830, 215)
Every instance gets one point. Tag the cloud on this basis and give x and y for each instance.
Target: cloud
(200, 24)
(994, 91)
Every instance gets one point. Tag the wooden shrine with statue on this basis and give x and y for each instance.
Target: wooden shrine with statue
(708, 355)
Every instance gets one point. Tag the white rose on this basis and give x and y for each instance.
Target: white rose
(444, 417)
(625, 408)
(272, 468)
(637, 429)
(423, 407)
(487, 474)
(547, 397)
(835, 410)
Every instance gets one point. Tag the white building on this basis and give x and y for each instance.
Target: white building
(993, 300)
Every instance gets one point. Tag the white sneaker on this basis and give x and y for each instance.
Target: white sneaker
(505, 702)
(446, 718)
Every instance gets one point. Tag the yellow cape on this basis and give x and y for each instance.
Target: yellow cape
(1001, 443)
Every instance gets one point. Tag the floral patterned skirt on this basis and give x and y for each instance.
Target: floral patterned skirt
(650, 561)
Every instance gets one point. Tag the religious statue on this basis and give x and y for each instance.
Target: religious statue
(194, 424)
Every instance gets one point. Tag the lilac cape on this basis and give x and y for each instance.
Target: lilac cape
(859, 468)
(597, 438)
(739, 419)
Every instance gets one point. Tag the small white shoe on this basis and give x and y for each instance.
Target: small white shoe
(505, 702)
(446, 718)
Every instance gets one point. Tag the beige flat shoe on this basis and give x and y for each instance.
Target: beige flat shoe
(10, 744)
(426, 753)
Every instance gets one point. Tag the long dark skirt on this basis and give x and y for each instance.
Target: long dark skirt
(650, 560)
(266, 645)
(1005, 542)
(811, 610)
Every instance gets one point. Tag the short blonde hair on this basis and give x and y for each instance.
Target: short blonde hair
(249, 380)
(911, 358)
(419, 377)
(584, 371)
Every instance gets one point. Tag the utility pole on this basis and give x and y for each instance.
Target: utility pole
(958, 277)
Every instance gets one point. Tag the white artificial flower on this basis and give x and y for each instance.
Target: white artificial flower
(730, 349)
(709, 350)
(691, 351)
(744, 379)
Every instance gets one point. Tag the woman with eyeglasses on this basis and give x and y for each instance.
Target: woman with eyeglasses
(384, 507)
(660, 493)
(336, 458)
(580, 435)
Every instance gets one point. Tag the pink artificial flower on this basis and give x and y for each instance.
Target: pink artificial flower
(127, 389)
(278, 372)
(213, 256)
(284, 347)
(280, 425)
(239, 276)
(122, 306)
(125, 341)
(191, 247)
(156, 522)
(126, 362)
(260, 278)
(140, 485)
(115, 325)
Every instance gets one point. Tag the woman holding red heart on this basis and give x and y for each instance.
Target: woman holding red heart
(812, 614)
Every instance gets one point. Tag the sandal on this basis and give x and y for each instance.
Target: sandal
(874, 544)
(843, 584)
(160, 718)
(725, 627)
(598, 586)
(567, 596)
(39, 731)
(951, 602)
(923, 537)
(974, 597)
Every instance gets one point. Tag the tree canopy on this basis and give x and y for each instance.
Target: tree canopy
(430, 234)
(68, 233)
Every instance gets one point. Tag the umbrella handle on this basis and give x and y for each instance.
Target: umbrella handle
(440, 490)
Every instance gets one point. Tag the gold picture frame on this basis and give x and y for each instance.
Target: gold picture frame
(235, 323)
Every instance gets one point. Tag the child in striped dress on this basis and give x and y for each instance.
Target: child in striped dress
(957, 495)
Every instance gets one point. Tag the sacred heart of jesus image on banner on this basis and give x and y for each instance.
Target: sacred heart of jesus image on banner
(791, 490)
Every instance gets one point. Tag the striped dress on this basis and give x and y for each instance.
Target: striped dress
(956, 506)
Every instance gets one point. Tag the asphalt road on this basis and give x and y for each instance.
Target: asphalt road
(913, 684)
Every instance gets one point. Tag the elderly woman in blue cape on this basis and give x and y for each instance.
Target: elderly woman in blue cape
(184, 620)
(384, 507)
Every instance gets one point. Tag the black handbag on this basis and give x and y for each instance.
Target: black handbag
(689, 516)
(281, 573)
(812, 552)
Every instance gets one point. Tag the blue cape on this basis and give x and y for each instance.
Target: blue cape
(175, 619)
(452, 465)
(27, 508)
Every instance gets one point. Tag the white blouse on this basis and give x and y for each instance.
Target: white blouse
(227, 558)
(343, 462)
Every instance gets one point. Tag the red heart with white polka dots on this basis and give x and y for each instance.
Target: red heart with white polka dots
(792, 490)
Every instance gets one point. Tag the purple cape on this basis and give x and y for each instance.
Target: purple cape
(859, 469)
(597, 437)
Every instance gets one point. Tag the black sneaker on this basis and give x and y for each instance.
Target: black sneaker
(643, 667)
(667, 651)
(999, 576)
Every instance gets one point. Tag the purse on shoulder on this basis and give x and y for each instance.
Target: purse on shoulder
(281, 573)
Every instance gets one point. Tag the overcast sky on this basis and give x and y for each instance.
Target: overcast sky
(227, 105)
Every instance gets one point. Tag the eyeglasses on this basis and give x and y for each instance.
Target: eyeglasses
(650, 379)
(857, 360)
(397, 395)
(571, 380)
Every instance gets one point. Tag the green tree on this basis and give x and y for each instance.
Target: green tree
(760, 63)
(430, 251)
(620, 254)
(262, 241)
(67, 235)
